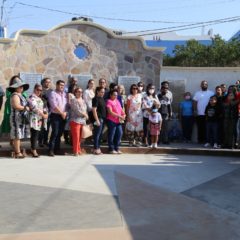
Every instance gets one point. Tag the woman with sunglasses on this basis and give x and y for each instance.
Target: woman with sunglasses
(38, 117)
(77, 119)
(134, 125)
(149, 100)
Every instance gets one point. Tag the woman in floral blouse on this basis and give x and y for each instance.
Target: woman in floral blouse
(134, 123)
(77, 119)
(38, 117)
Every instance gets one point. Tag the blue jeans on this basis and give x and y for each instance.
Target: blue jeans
(57, 125)
(97, 134)
(187, 126)
(115, 133)
(212, 132)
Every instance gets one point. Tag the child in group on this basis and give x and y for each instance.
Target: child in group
(212, 113)
(186, 116)
(155, 124)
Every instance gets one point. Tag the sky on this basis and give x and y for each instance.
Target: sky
(157, 14)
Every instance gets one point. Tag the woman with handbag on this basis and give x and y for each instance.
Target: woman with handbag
(19, 122)
(78, 118)
(38, 117)
(5, 126)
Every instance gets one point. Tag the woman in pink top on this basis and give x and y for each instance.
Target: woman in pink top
(115, 116)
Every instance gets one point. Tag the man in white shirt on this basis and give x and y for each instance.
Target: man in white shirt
(200, 101)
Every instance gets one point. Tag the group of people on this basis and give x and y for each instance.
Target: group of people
(217, 115)
(143, 115)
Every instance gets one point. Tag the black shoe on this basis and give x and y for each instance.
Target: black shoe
(41, 145)
(51, 154)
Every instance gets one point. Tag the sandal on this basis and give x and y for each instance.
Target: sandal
(34, 154)
(18, 155)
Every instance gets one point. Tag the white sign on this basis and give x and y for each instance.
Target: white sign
(127, 81)
(82, 80)
(31, 79)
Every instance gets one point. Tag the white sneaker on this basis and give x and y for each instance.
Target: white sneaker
(207, 145)
(151, 146)
(155, 145)
(215, 145)
(113, 152)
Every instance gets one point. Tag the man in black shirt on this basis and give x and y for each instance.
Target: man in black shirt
(99, 116)
(166, 112)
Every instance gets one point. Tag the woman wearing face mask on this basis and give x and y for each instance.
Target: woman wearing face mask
(186, 116)
(149, 99)
(140, 86)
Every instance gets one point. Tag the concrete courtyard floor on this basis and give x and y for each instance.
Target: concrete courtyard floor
(128, 196)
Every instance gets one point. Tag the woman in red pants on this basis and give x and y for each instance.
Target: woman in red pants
(77, 119)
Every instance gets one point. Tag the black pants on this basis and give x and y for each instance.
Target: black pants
(57, 125)
(201, 127)
(34, 138)
(187, 126)
(1, 102)
(43, 135)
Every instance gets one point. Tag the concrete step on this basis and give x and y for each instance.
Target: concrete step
(174, 148)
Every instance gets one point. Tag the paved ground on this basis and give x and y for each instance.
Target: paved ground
(129, 196)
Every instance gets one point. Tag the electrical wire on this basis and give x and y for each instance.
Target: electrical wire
(99, 17)
(217, 21)
(187, 28)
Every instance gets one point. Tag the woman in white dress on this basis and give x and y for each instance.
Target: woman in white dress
(134, 124)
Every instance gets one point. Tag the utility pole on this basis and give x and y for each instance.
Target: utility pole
(2, 32)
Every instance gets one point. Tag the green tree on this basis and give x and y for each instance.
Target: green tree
(219, 54)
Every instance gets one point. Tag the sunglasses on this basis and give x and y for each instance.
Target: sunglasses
(134, 88)
(39, 90)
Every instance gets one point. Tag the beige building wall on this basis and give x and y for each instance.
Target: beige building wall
(183, 79)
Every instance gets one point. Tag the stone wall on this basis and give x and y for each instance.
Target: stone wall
(52, 54)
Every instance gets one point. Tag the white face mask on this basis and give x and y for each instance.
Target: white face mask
(151, 91)
(187, 97)
(140, 88)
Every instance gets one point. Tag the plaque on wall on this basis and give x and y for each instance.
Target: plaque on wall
(82, 80)
(31, 79)
(127, 81)
(177, 87)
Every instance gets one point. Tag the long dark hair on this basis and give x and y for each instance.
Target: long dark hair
(149, 86)
(131, 88)
(98, 89)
